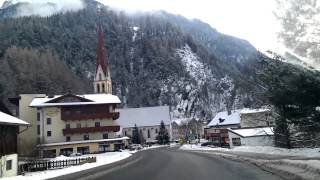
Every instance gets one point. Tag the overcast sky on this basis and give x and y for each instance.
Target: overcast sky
(248, 19)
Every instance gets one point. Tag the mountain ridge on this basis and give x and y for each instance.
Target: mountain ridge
(155, 59)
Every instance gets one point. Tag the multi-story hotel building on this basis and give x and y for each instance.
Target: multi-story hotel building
(65, 124)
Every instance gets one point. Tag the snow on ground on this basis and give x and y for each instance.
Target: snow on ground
(305, 152)
(135, 29)
(197, 69)
(102, 159)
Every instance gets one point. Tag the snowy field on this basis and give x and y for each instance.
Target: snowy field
(305, 152)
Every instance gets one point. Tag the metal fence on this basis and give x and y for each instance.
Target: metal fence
(41, 165)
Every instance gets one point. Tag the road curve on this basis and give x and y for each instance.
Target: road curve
(174, 164)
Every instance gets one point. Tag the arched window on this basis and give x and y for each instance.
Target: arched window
(98, 88)
(103, 88)
(148, 133)
(100, 78)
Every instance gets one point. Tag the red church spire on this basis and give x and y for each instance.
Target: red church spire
(101, 50)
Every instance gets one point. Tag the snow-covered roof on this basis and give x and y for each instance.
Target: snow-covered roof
(93, 98)
(222, 118)
(249, 132)
(10, 120)
(181, 121)
(248, 111)
(83, 142)
(144, 116)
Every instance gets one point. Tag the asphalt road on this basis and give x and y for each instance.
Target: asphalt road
(174, 164)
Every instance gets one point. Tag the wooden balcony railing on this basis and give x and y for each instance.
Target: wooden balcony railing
(91, 129)
(83, 116)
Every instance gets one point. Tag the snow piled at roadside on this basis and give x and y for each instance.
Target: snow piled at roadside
(305, 152)
(102, 159)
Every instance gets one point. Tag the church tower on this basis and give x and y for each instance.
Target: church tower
(102, 80)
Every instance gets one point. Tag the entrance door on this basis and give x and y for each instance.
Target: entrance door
(83, 150)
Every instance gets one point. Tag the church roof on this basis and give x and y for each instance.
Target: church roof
(101, 51)
(143, 116)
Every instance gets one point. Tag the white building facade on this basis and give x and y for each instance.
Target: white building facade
(147, 119)
(263, 136)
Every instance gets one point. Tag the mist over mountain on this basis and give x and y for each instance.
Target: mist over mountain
(43, 8)
(155, 59)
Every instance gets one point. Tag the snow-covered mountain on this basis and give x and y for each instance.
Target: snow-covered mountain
(155, 59)
(43, 8)
(300, 33)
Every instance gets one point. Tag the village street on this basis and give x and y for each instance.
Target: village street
(174, 164)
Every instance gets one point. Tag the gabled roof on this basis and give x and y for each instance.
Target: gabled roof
(74, 98)
(249, 111)
(222, 118)
(11, 120)
(252, 132)
(86, 99)
(144, 116)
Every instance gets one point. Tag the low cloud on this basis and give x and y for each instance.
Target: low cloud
(45, 8)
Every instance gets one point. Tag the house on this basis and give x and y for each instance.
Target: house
(260, 136)
(216, 131)
(256, 117)
(147, 119)
(187, 129)
(9, 129)
(70, 123)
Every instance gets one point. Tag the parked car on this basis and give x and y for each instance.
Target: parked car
(135, 147)
(75, 154)
(209, 144)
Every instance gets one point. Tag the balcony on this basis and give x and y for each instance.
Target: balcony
(84, 116)
(91, 129)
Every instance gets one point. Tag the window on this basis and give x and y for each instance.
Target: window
(97, 124)
(86, 137)
(103, 88)
(156, 130)
(78, 125)
(125, 133)
(148, 133)
(67, 126)
(236, 141)
(48, 121)
(49, 133)
(105, 136)
(8, 165)
(38, 129)
(68, 138)
(98, 88)
(38, 116)
(100, 78)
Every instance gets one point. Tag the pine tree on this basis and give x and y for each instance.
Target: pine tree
(136, 135)
(163, 135)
